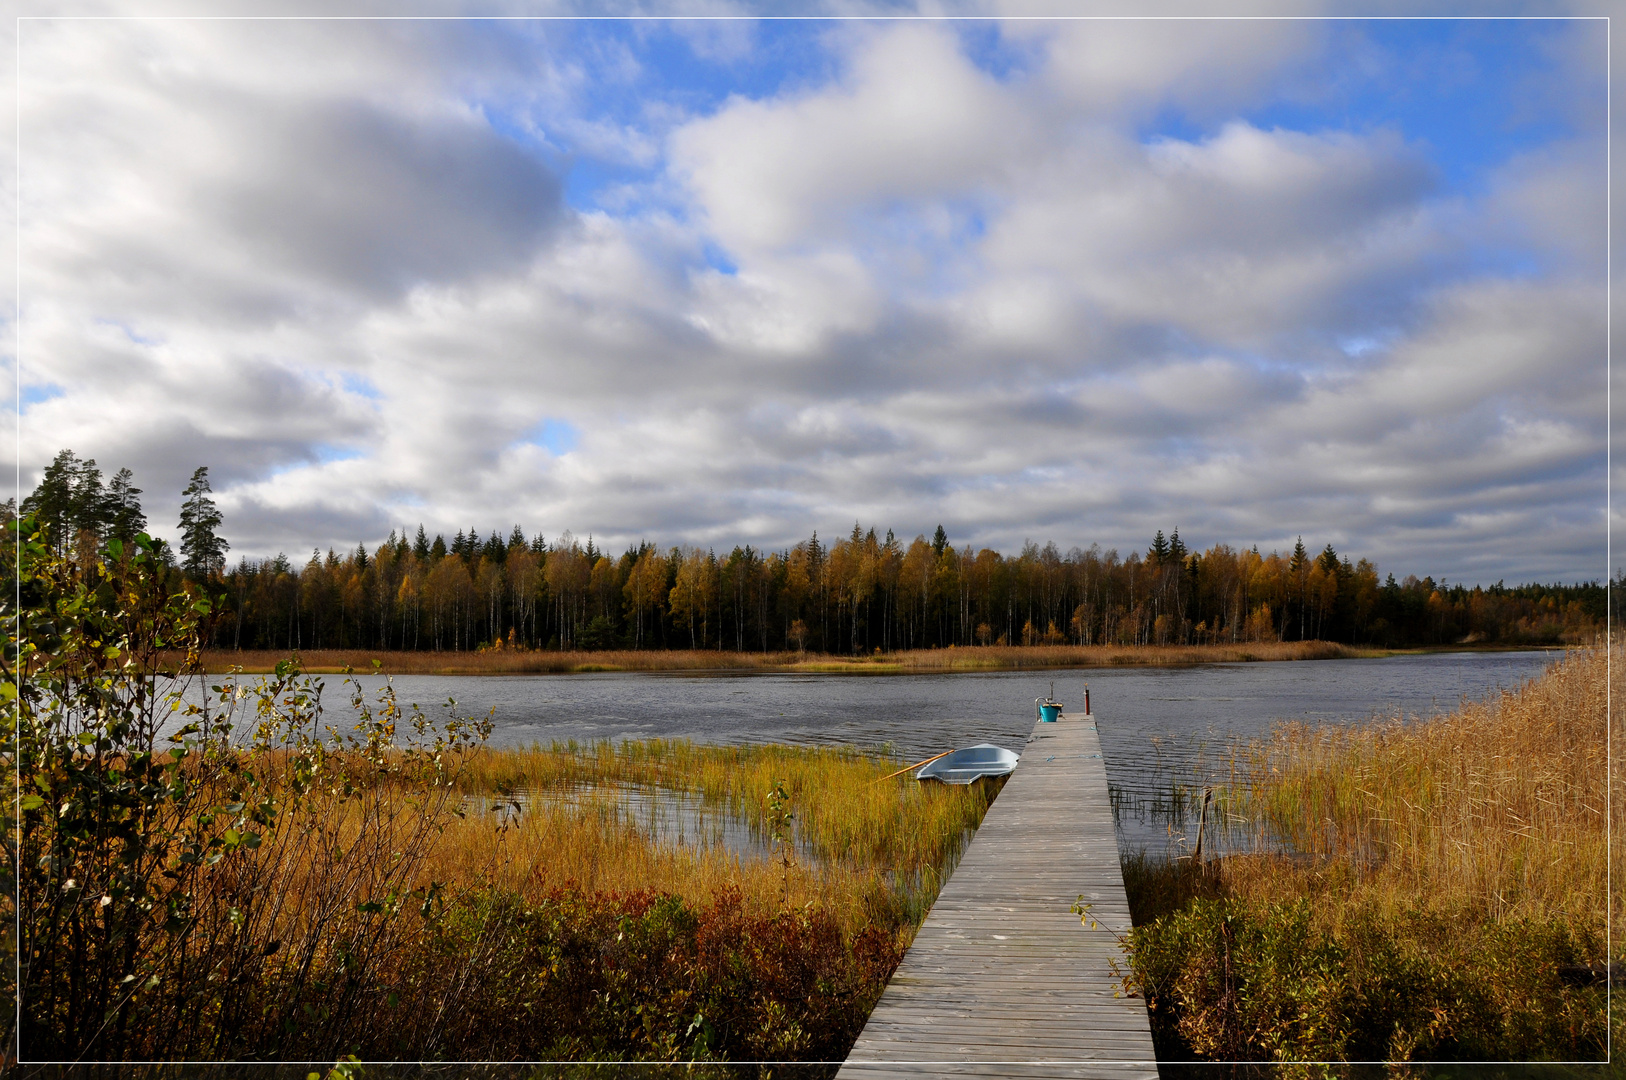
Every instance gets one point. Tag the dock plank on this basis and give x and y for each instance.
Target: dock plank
(1002, 979)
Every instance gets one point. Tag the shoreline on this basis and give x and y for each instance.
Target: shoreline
(712, 662)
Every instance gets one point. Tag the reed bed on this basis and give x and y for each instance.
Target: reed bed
(1439, 889)
(1500, 805)
(843, 808)
(973, 658)
(421, 904)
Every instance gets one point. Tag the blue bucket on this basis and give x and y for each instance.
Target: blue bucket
(1048, 711)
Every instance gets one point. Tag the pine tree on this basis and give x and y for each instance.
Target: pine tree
(1328, 560)
(203, 551)
(1158, 553)
(1177, 547)
(420, 543)
(69, 499)
(939, 541)
(124, 516)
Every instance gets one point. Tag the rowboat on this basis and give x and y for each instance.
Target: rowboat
(972, 763)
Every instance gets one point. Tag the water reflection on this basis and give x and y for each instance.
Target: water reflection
(665, 817)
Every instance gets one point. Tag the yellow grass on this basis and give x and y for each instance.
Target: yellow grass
(882, 847)
(1498, 807)
(976, 658)
(842, 807)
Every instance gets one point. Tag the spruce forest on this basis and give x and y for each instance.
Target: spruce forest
(858, 594)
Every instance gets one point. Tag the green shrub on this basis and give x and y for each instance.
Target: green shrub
(1236, 980)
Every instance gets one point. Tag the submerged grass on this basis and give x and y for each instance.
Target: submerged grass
(912, 661)
(1445, 899)
(844, 811)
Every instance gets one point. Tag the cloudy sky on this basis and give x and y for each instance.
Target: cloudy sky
(732, 281)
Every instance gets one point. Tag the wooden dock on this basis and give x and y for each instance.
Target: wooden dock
(1003, 979)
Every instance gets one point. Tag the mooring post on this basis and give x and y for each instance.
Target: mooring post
(1202, 822)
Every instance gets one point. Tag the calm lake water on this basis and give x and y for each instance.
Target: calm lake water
(1159, 727)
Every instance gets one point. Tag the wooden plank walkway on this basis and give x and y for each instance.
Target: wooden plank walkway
(1002, 979)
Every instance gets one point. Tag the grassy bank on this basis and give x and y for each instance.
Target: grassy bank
(915, 661)
(1449, 891)
(306, 899)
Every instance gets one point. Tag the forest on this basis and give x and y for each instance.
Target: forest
(858, 594)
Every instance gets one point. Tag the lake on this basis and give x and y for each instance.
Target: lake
(1159, 726)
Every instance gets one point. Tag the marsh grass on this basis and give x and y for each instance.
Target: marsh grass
(915, 661)
(844, 811)
(1438, 879)
(387, 904)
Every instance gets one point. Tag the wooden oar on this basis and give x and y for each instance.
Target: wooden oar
(916, 765)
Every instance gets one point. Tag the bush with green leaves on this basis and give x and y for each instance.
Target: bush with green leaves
(204, 873)
(1229, 979)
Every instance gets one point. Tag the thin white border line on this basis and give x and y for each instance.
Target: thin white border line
(1608, 452)
(16, 1048)
(814, 18)
(1608, 544)
(868, 1062)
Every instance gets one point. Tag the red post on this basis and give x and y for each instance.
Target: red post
(1086, 699)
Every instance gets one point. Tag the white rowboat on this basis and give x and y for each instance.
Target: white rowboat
(972, 763)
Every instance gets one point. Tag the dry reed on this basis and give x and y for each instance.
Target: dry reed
(974, 658)
(1499, 805)
(1444, 891)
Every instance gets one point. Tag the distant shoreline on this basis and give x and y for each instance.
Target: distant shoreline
(706, 661)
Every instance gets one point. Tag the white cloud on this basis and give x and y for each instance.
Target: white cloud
(1008, 302)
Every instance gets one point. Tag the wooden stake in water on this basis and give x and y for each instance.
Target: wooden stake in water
(1202, 821)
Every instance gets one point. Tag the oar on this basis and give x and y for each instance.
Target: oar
(916, 765)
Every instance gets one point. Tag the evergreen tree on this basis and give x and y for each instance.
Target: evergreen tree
(495, 549)
(124, 516)
(1177, 547)
(939, 541)
(516, 540)
(437, 550)
(69, 499)
(1158, 553)
(1328, 560)
(1301, 557)
(420, 543)
(203, 551)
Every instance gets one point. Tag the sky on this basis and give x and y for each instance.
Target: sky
(732, 281)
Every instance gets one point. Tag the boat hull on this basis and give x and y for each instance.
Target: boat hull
(970, 764)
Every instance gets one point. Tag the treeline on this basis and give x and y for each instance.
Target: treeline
(859, 594)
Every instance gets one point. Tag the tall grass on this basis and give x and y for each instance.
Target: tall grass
(1499, 806)
(1444, 894)
(843, 809)
(974, 658)
(396, 908)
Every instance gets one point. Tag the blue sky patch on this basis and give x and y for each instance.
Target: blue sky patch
(34, 393)
(360, 385)
(556, 436)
